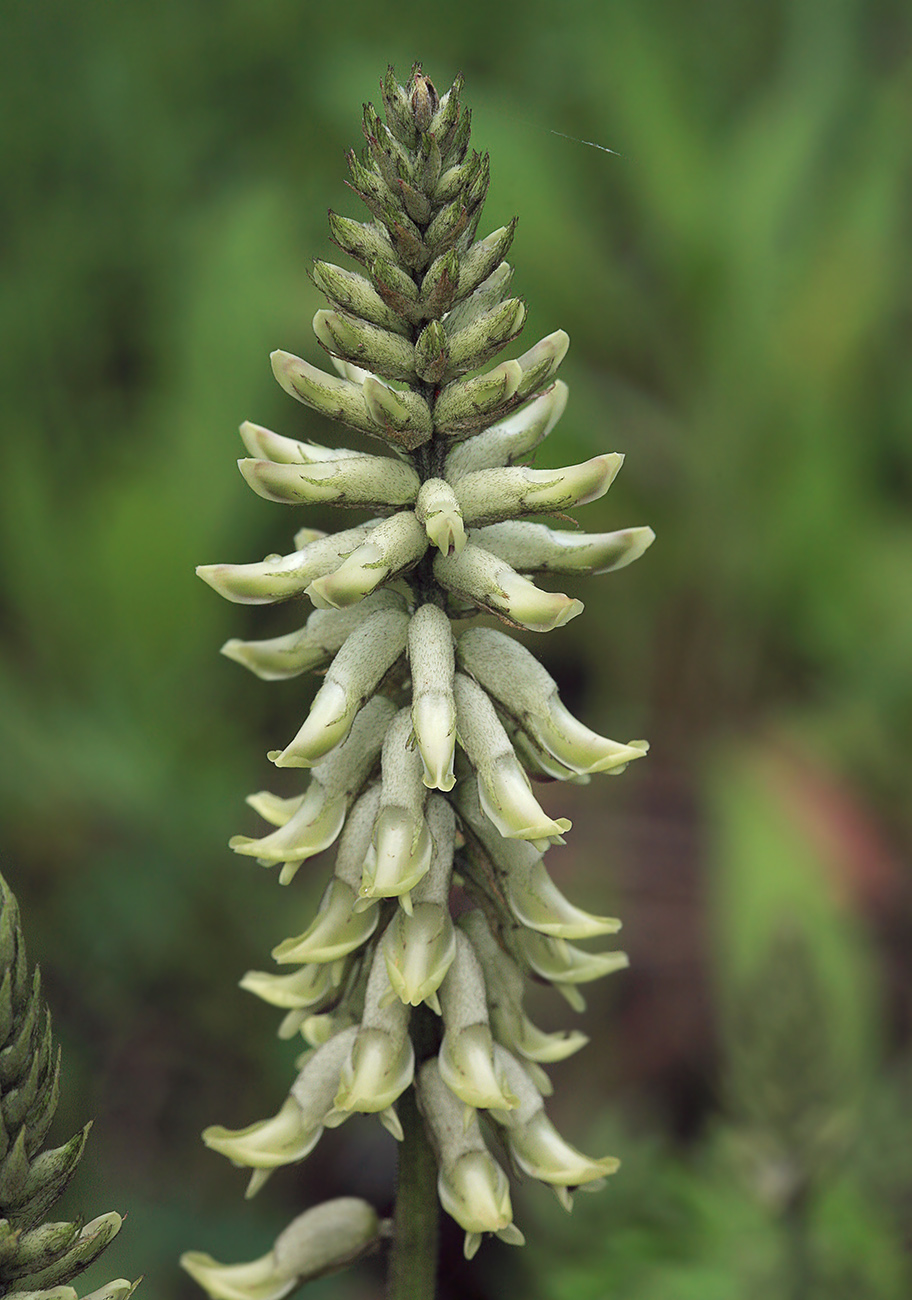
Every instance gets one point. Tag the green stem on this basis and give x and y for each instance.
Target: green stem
(798, 1246)
(413, 1255)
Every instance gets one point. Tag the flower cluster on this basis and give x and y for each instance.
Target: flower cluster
(422, 737)
(37, 1260)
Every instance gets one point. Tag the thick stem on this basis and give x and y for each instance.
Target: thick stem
(413, 1255)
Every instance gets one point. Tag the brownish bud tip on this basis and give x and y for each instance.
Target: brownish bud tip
(425, 100)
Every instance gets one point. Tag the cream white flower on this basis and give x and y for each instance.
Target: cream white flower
(430, 647)
(391, 548)
(400, 852)
(360, 665)
(319, 1241)
(319, 818)
(419, 947)
(473, 1188)
(466, 1060)
(504, 791)
(534, 1143)
(479, 578)
(381, 1063)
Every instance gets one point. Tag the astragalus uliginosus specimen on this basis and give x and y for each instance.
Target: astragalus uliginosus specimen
(420, 741)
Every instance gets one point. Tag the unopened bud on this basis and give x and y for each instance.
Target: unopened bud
(378, 350)
(393, 547)
(516, 435)
(536, 548)
(358, 668)
(280, 577)
(504, 789)
(356, 295)
(482, 580)
(466, 405)
(430, 644)
(494, 494)
(334, 397)
(439, 511)
(334, 782)
(371, 482)
(539, 365)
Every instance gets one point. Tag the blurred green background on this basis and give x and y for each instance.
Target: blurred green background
(736, 284)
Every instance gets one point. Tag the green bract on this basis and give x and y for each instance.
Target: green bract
(420, 742)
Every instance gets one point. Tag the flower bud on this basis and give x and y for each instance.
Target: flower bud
(432, 353)
(303, 988)
(514, 677)
(472, 1187)
(363, 240)
(480, 579)
(394, 546)
(562, 963)
(371, 482)
(339, 399)
(52, 1254)
(535, 1144)
(504, 790)
(395, 286)
(483, 256)
(446, 114)
(467, 404)
(489, 295)
(504, 988)
(400, 852)
(419, 948)
(430, 648)
(382, 1061)
(398, 109)
(539, 365)
(438, 285)
(399, 416)
(334, 783)
(320, 1241)
(512, 437)
(312, 645)
(357, 670)
(293, 1133)
(378, 350)
(428, 164)
(487, 495)
(356, 295)
(279, 577)
(263, 444)
(466, 1059)
(483, 338)
(532, 895)
(337, 929)
(535, 548)
(450, 223)
(119, 1289)
(31, 1184)
(438, 510)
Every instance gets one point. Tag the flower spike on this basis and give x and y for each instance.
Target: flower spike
(427, 731)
